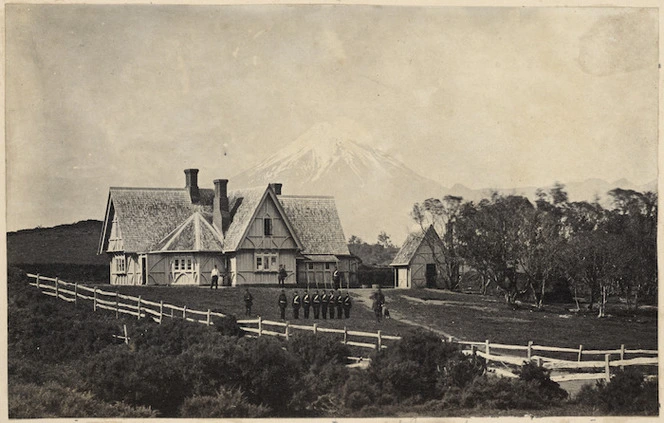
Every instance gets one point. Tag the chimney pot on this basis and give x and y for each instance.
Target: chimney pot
(191, 183)
(276, 188)
(221, 217)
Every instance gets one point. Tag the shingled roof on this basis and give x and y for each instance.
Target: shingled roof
(147, 215)
(412, 243)
(194, 234)
(242, 205)
(316, 224)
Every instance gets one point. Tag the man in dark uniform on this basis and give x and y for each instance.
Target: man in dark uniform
(297, 302)
(378, 302)
(332, 304)
(283, 302)
(340, 305)
(248, 302)
(282, 274)
(315, 302)
(324, 301)
(306, 303)
(347, 305)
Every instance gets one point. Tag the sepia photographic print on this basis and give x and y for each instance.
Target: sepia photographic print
(331, 211)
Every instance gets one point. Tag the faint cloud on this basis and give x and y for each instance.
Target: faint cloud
(618, 44)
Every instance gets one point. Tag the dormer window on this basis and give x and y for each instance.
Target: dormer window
(267, 226)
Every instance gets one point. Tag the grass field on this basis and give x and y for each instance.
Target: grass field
(466, 316)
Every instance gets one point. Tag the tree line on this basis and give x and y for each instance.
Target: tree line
(518, 247)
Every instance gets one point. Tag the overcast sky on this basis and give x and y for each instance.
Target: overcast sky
(127, 95)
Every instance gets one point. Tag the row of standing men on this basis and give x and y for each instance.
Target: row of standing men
(321, 304)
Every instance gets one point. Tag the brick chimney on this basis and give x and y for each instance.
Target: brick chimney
(276, 188)
(191, 184)
(221, 216)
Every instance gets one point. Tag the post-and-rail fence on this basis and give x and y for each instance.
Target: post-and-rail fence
(503, 364)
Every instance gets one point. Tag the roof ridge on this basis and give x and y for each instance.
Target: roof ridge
(147, 189)
(306, 196)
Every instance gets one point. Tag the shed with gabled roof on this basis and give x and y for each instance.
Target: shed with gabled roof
(416, 263)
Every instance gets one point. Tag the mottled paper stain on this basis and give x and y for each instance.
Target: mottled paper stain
(617, 44)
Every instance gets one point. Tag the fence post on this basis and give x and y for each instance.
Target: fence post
(184, 313)
(380, 341)
(94, 300)
(208, 318)
(117, 304)
(622, 355)
(260, 326)
(450, 339)
(37, 280)
(580, 352)
(607, 368)
(139, 308)
(539, 361)
(486, 347)
(56, 287)
(126, 338)
(161, 311)
(345, 335)
(172, 310)
(287, 334)
(315, 328)
(530, 350)
(75, 293)
(472, 350)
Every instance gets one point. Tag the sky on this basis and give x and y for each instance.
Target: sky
(130, 95)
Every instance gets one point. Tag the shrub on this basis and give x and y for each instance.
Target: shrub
(226, 403)
(318, 392)
(53, 400)
(315, 351)
(172, 337)
(628, 393)
(548, 389)
(502, 393)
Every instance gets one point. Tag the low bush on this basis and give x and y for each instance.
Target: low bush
(53, 400)
(226, 403)
(548, 389)
(315, 351)
(627, 393)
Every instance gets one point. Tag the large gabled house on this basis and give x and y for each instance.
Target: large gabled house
(175, 236)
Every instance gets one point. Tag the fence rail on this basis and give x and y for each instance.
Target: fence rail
(141, 308)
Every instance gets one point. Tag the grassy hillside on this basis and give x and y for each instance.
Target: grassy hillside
(71, 244)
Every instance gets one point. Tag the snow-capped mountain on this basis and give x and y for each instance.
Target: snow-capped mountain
(374, 192)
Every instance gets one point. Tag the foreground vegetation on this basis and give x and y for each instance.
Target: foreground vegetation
(65, 362)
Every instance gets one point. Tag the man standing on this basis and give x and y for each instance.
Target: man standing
(336, 278)
(297, 302)
(316, 304)
(283, 302)
(340, 305)
(324, 300)
(248, 302)
(347, 305)
(306, 303)
(377, 305)
(332, 304)
(214, 278)
(282, 275)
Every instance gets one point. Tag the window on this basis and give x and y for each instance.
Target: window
(267, 226)
(183, 264)
(267, 262)
(311, 266)
(120, 264)
(327, 266)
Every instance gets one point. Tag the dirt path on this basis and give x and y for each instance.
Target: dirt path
(364, 298)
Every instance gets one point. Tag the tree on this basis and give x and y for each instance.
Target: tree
(384, 240)
(443, 215)
(491, 239)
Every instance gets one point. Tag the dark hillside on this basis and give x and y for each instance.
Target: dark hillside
(64, 244)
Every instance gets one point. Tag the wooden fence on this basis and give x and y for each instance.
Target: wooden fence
(288, 328)
(560, 368)
(501, 363)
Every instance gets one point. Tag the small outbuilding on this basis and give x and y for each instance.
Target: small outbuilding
(416, 264)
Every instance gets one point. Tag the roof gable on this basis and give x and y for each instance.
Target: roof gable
(194, 234)
(412, 244)
(316, 223)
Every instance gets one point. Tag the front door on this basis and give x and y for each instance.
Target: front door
(430, 275)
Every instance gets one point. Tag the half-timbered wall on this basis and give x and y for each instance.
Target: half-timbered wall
(125, 269)
(273, 235)
(115, 238)
(313, 273)
(245, 266)
(183, 268)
